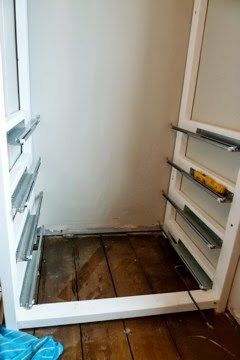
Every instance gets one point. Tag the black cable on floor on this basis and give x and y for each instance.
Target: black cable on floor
(176, 268)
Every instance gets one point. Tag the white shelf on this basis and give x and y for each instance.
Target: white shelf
(189, 176)
(203, 280)
(193, 125)
(21, 270)
(18, 169)
(219, 212)
(19, 134)
(211, 254)
(183, 200)
(178, 234)
(220, 163)
(20, 220)
(24, 189)
(15, 119)
(29, 233)
(187, 164)
(207, 237)
(27, 296)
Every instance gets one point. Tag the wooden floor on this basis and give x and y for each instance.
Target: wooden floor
(109, 266)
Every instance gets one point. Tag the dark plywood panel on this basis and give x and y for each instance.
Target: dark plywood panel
(105, 340)
(58, 283)
(93, 278)
(159, 261)
(126, 271)
(196, 341)
(149, 338)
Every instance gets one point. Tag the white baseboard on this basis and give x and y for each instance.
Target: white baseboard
(68, 230)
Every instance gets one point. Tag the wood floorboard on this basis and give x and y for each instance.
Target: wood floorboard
(93, 278)
(105, 340)
(69, 336)
(159, 262)
(58, 283)
(149, 338)
(125, 267)
(108, 266)
(196, 341)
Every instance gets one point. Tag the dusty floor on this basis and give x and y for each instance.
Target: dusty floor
(108, 266)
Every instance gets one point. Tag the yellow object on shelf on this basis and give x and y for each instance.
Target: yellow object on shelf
(199, 176)
(214, 185)
(209, 182)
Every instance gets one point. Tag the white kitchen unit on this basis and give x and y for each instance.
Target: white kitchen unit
(103, 41)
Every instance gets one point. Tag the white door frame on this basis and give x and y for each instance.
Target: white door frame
(113, 308)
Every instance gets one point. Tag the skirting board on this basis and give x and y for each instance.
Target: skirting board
(68, 230)
(87, 311)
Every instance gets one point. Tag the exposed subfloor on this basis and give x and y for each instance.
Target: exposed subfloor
(109, 266)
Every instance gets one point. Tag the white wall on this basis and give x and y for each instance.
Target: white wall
(106, 77)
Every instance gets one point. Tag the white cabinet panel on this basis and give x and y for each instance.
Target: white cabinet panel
(217, 92)
(219, 212)
(10, 58)
(221, 162)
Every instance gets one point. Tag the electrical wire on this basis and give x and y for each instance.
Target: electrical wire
(176, 268)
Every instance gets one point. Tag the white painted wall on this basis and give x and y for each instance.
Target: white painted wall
(106, 77)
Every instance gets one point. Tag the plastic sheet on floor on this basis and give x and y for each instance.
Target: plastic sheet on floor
(18, 345)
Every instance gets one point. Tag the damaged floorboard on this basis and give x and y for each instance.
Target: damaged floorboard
(93, 267)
